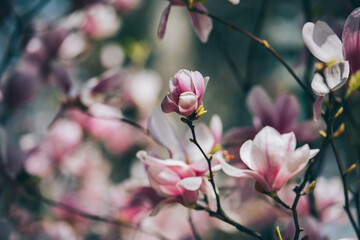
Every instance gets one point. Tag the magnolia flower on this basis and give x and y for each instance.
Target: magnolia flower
(202, 24)
(351, 40)
(325, 45)
(184, 174)
(173, 178)
(186, 92)
(271, 159)
(281, 114)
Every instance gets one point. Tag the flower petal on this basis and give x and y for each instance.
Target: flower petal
(261, 106)
(317, 108)
(269, 151)
(168, 105)
(351, 40)
(202, 24)
(319, 86)
(164, 134)
(287, 109)
(163, 22)
(336, 75)
(191, 183)
(322, 42)
(188, 103)
(237, 136)
(216, 128)
(309, 130)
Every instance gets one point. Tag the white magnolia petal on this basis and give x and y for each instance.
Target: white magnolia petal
(313, 153)
(245, 154)
(336, 75)
(290, 140)
(235, 2)
(299, 159)
(269, 150)
(322, 42)
(231, 170)
(164, 134)
(191, 183)
(319, 86)
(216, 128)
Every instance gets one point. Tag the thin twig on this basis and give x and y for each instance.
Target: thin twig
(263, 43)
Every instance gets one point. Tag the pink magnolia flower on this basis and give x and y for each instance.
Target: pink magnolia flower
(326, 46)
(271, 158)
(202, 24)
(173, 178)
(350, 38)
(186, 92)
(184, 174)
(281, 115)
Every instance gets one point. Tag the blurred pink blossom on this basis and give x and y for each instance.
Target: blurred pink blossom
(281, 115)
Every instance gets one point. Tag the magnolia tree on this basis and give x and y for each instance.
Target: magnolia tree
(89, 151)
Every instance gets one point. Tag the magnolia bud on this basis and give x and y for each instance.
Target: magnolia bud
(186, 92)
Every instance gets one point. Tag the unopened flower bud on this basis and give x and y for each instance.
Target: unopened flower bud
(186, 92)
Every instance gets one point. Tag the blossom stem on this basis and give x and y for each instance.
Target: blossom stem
(220, 214)
(260, 41)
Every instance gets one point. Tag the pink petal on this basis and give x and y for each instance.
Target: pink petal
(164, 134)
(351, 40)
(187, 103)
(216, 128)
(287, 109)
(269, 151)
(181, 82)
(317, 108)
(309, 130)
(290, 139)
(237, 136)
(199, 85)
(163, 22)
(261, 106)
(202, 24)
(168, 105)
